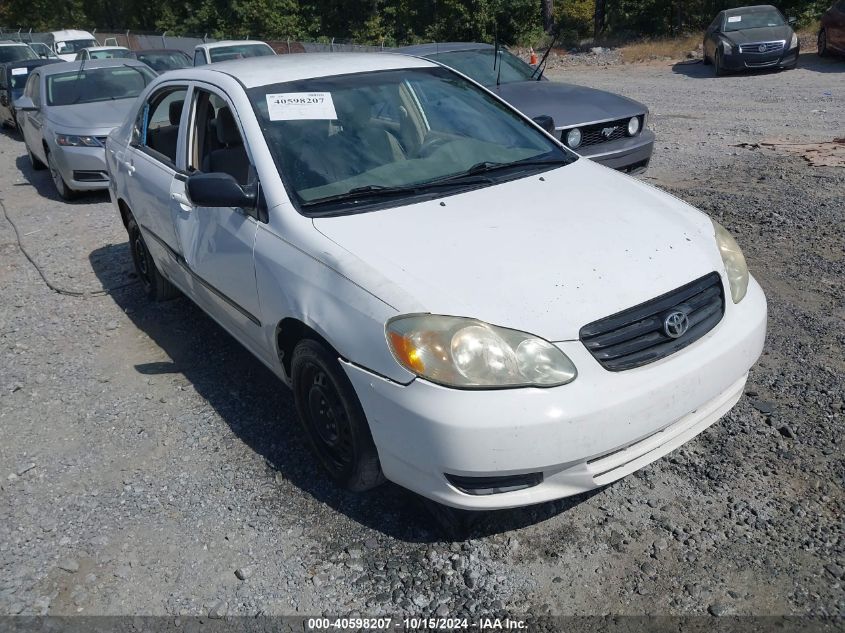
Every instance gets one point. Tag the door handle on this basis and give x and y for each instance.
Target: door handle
(130, 168)
(182, 199)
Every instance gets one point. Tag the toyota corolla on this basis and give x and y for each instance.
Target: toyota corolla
(459, 303)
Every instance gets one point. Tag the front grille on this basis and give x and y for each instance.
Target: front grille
(601, 132)
(636, 336)
(770, 47)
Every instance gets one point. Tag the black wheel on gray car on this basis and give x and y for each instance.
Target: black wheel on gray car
(822, 44)
(155, 285)
(704, 59)
(65, 192)
(333, 419)
(36, 164)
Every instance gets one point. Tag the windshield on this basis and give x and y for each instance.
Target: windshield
(97, 84)
(74, 46)
(754, 20)
(42, 50)
(478, 65)
(239, 51)
(400, 132)
(161, 62)
(18, 77)
(121, 53)
(16, 53)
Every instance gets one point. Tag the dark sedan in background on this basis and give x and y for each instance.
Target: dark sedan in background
(749, 38)
(606, 127)
(832, 30)
(164, 59)
(13, 76)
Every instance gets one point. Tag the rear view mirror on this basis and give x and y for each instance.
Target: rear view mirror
(25, 104)
(546, 122)
(218, 190)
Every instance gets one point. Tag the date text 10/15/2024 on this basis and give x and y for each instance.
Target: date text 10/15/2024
(415, 624)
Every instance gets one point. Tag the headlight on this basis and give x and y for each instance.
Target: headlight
(727, 47)
(573, 137)
(734, 262)
(794, 41)
(71, 140)
(633, 126)
(461, 352)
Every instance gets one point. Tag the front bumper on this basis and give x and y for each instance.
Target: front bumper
(580, 436)
(631, 155)
(82, 168)
(759, 61)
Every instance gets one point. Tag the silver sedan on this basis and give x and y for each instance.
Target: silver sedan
(67, 110)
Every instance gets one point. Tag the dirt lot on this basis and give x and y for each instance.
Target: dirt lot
(149, 465)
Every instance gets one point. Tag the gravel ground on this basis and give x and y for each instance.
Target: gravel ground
(149, 465)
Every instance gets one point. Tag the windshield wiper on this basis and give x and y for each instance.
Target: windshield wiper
(487, 167)
(369, 192)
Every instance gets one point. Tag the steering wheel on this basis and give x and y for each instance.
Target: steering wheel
(429, 146)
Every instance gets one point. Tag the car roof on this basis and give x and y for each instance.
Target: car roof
(91, 64)
(210, 45)
(105, 48)
(161, 50)
(758, 8)
(70, 33)
(442, 47)
(12, 43)
(29, 63)
(271, 69)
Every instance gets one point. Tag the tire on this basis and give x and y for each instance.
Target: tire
(454, 524)
(333, 419)
(822, 44)
(156, 287)
(65, 192)
(718, 70)
(37, 165)
(704, 59)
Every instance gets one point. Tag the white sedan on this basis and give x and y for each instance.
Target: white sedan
(459, 303)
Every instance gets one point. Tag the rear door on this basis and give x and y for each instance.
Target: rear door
(150, 165)
(31, 122)
(216, 243)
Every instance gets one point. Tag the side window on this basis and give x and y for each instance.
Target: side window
(215, 141)
(34, 84)
(157, 125)
(199, 58)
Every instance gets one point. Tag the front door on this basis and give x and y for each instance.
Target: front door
(216, 243)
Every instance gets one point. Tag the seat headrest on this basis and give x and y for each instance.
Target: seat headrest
(227, 129)
(175, 112)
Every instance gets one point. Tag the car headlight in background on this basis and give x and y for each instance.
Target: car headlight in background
(794, 41)
(462, 352)
(573, 137)
(634, 126)
(71, 140)
(734, 262)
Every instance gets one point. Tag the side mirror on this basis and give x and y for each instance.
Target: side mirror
(546, 122)
(218, 190)
(792, 21)
(25, 104)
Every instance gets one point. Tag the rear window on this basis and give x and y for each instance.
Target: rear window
(239, 51)
(97, 84)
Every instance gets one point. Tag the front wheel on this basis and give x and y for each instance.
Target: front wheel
(718, 69)
(704, 59)
(333, 419)
(822, 44)
(65, 192)
(37, 165)
(155, 285)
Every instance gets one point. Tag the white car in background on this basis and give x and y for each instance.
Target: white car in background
(104, 52)
(459, 303)
(67, 43)
(228, 50)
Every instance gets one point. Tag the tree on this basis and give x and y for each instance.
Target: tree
(548, 15)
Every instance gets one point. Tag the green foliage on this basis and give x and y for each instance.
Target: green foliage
(374, 21)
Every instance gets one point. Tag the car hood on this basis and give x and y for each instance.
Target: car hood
(97, 118)
(767, 34)
(567, 104)
(543, 256)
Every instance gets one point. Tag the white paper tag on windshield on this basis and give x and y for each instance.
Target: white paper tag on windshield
(294, 106)
(19, 71)
(734, 18)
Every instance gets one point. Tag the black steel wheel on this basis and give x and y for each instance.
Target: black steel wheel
(718, 70)
(822, 44)
(333, 419)
(155, 285)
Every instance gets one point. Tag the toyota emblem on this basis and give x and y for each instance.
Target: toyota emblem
(676, 324)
